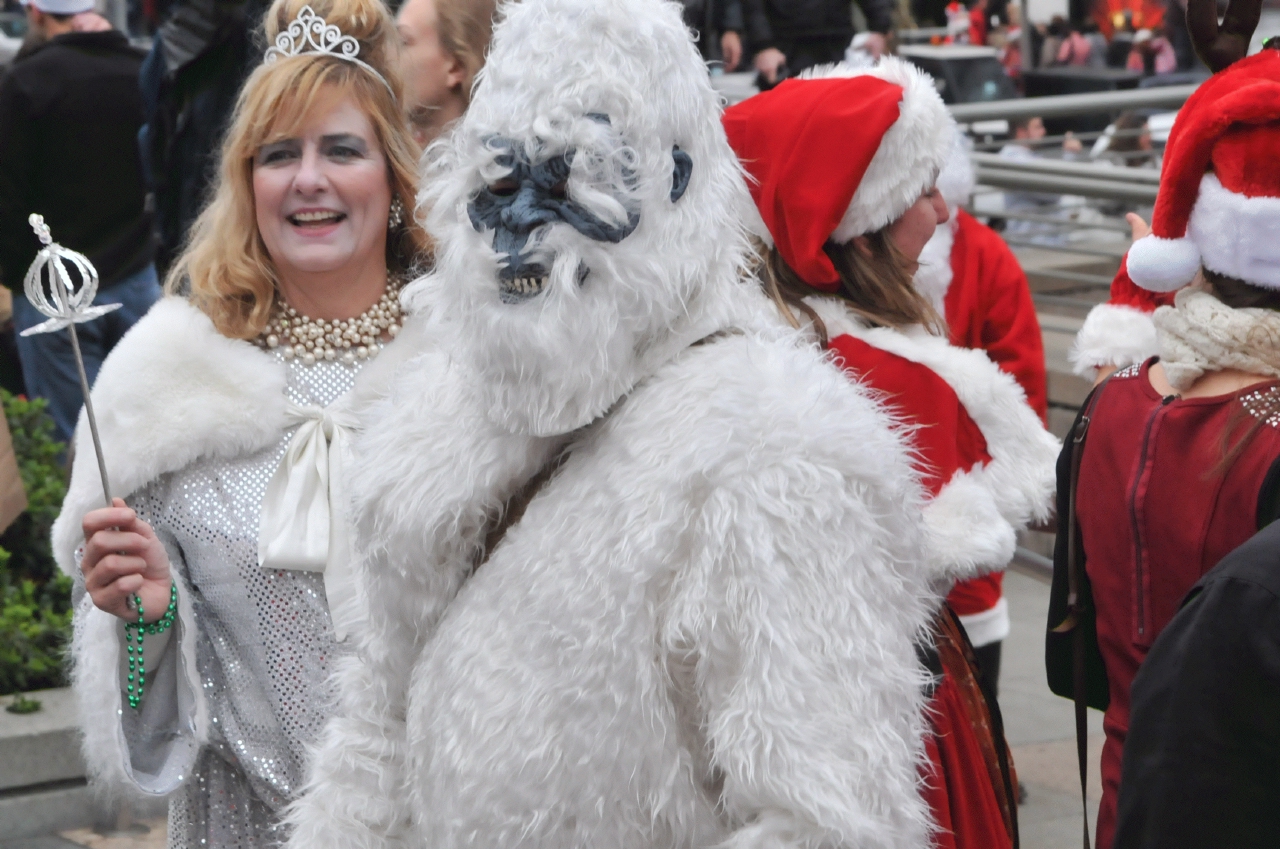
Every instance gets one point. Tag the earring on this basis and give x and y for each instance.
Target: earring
(396, 216)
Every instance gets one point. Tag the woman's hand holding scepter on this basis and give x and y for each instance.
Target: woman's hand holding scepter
(123, 561)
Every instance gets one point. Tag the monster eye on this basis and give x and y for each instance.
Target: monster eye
(504, 188)
(560, 190)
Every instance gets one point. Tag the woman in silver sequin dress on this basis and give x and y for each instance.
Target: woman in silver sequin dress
(224, 417)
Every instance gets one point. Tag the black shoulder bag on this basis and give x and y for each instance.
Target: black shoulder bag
(1073, 662)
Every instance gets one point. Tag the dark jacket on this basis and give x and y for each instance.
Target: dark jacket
(1202, 761)
(69, 118)
(789, 24)
(201, 56)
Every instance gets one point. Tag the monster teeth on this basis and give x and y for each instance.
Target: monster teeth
(528, 285)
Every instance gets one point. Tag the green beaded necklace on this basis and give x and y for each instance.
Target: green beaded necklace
(136, 666)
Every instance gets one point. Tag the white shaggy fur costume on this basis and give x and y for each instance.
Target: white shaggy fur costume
(701, 631)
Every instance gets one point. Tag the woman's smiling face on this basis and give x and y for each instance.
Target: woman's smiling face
(322, 196)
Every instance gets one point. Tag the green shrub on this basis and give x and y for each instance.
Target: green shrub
(35, 600)
(40, 463)
(35, 625)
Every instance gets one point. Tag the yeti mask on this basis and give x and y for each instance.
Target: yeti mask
(587, 210)
(525, 197)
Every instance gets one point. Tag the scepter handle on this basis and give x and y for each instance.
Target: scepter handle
(88, 409)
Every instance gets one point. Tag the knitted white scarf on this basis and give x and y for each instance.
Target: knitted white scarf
(1201, 334)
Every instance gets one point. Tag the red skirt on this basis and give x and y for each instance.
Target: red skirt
(970, 783)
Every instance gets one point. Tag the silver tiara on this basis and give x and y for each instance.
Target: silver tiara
(309, 33)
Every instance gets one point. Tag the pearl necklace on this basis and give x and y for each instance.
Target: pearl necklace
(348, 340)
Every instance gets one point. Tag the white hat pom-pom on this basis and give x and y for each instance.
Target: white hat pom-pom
(1163, 265)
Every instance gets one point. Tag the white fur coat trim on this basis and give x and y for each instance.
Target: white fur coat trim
(172, 391)
(1113, 336)
(975, 518)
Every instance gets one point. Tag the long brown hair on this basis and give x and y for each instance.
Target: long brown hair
(876, 284)
(230, 275)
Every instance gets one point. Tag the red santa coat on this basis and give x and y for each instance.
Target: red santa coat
(986, 463)
(971, 810)
(988, 306)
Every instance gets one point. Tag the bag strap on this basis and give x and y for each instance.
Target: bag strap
(513, 510)
(1076, 608)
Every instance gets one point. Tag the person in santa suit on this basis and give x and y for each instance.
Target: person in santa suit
(1119, 333)
(1180, 463)
(843, 167)
(975, 282)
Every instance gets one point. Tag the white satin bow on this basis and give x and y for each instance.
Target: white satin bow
(303, 524)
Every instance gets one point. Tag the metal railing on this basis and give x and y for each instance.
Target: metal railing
(1065, 168)
(1070, 250)
(1044, 179)
(1058, 105)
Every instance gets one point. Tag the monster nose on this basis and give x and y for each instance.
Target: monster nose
(525, 213)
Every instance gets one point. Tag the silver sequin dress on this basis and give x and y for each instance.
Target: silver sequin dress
(264, 649)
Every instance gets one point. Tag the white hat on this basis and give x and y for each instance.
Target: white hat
(61, 7)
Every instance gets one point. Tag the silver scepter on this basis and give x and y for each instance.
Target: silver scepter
(66, 305)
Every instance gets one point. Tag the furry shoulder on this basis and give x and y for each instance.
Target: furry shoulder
(759, 399)
(173, 390)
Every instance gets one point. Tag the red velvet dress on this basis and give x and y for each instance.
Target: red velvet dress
(1156, 513)
(988, 306)
(967, 793)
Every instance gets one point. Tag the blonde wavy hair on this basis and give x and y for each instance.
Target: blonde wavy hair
(225, 268)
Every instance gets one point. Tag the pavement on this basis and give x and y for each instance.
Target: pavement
(1040, 728)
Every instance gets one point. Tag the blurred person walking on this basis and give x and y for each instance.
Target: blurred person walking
(201, 55)
(69, 117)
(1180, 464)
(1152, 53)
(788, 36)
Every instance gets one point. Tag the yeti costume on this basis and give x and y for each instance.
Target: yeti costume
(701, 630)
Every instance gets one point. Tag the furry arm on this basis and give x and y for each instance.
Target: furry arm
(430, 473)
(807, 674)
(355, 786)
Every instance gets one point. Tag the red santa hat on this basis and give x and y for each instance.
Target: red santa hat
(1219, 200)
(837, 154)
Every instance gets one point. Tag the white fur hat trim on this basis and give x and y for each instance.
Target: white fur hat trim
(910, 154)
(1228, 232)
(1238, 236)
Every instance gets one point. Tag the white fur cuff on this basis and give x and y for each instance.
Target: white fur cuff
(989, 626)
(1113, 336)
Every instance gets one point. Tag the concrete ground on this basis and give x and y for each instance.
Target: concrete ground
(1039, 725)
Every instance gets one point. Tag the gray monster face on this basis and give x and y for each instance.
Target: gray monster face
(532, 196)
